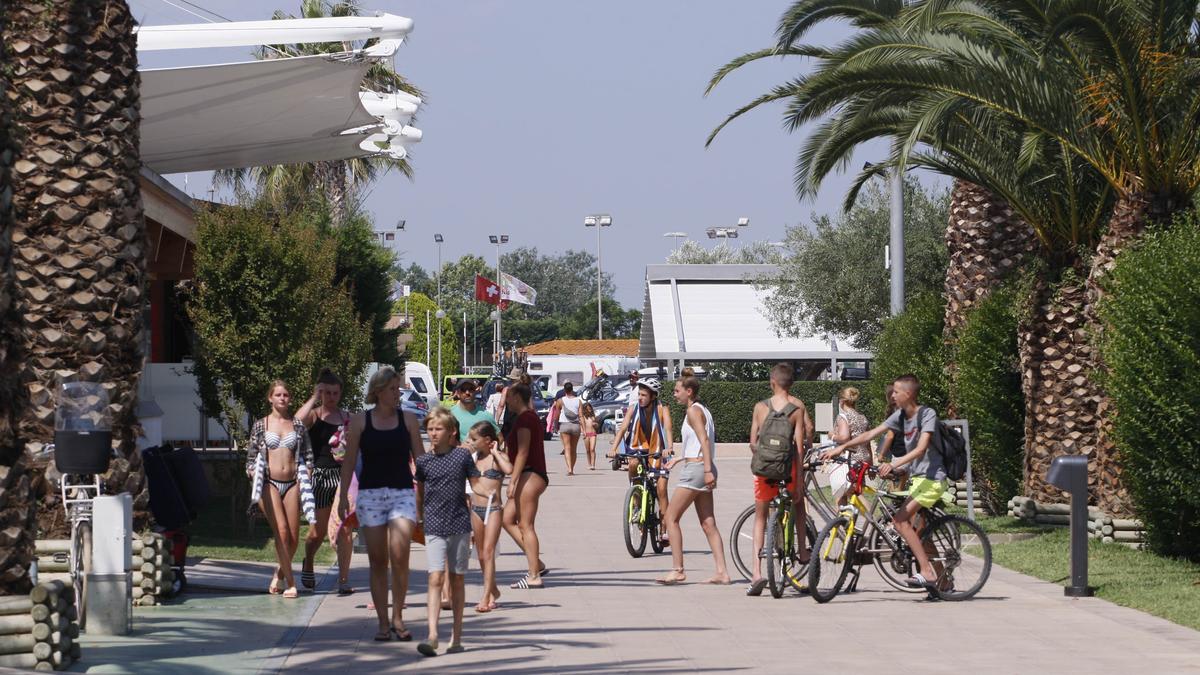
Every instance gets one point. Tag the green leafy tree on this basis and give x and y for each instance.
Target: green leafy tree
(833, 280)
(618, 322)
(563, 282)
(752, 253)
(416, 278)
(266, 305)
(911, 342)
(425, 325)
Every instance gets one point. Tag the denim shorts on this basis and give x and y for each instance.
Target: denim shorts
(455, 550)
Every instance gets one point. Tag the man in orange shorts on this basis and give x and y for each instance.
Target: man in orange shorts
(782, 376)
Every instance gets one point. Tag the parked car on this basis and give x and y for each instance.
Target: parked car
(411, 401)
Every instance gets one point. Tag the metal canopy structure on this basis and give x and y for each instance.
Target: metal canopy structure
(715, 313)
(273, 111)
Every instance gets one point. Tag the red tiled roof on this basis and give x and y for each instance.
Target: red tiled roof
(585, 347)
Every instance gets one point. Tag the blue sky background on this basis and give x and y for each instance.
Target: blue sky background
(540, 112)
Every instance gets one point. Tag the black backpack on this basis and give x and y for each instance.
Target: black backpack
(953, 447)
(776, 445)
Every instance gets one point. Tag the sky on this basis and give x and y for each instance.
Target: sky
(541, 112)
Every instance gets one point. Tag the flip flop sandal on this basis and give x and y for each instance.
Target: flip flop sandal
(482, 609)
(428, 648)
(274, 588)
(456, 649)
(401, 635)
(524, 583)
(756, 588)
(384, 636)
(308, 579)
(918, 581)
(291, 593)
(344, 590)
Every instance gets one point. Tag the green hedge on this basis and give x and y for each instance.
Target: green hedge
(1151, 346)
(912, 342)
(732, 403)
(987, 392)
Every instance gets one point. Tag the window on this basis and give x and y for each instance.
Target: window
(535, 366)
(575, 378)
(419, 384)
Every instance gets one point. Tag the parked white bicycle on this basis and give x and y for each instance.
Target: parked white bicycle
(82, 451)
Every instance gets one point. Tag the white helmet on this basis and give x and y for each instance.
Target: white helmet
(651, 383)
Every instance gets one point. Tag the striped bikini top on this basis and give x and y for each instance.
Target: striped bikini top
(274, 441)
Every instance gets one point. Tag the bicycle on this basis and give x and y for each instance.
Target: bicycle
(640, 518)
(741, 537)
(842, 547)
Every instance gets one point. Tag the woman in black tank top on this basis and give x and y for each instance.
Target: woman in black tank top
(388, 440)
(323, 416)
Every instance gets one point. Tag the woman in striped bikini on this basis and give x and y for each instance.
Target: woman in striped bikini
(279, 457)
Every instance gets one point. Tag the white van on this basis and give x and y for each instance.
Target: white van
(418, 377)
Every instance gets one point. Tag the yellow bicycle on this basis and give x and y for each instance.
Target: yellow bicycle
(957, 547)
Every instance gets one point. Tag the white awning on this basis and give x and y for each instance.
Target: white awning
(274, 111)
(715, 313)
(286, 31)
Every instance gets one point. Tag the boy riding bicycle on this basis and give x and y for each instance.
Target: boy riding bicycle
(786, 412)
(917, 424)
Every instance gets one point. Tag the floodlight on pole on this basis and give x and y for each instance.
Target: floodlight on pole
(438, 239)
(894, 252)
(598, 221)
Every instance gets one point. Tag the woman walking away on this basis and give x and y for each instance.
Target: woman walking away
(588, 426)
(388, 440)
(648, 425)
(566, 412)
(325, 422)
(529, 481)
(442, 476)
(696, 483)
(486, 504)
(278, 461)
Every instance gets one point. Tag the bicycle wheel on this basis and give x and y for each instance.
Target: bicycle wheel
(894, 566)
(794, 571)
(772, 555)
(632, 522)
(81, 566)
(741, 541)
(962, 555)
(654, 524)
(832, 557)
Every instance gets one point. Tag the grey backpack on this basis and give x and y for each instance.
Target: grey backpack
(776, 445)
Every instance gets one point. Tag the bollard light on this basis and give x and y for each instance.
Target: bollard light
(1070, 473)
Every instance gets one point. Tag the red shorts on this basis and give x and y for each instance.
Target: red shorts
(765, 491)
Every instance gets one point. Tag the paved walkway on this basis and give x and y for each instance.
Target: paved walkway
(601, 613)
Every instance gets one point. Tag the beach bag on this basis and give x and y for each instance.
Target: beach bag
(776, 445)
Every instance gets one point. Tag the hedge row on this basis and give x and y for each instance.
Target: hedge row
(732, 403)
(1151, 347)
(911, 342)
(987, 392)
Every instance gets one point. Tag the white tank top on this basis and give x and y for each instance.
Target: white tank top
(691, 444)
(570, 410)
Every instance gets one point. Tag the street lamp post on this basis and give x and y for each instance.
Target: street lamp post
(440, 314)
(598, 221)
(498, 240)
(677, 236)
(896, 241)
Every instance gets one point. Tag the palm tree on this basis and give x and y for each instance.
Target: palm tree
(966, 90)
(339, 181)
(78, 239)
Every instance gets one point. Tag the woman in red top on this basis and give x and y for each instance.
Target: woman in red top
(528, 482)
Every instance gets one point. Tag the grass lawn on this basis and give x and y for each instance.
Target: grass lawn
(1001, 524)
(1165, 587)
(218, 533)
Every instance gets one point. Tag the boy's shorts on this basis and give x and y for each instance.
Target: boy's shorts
(455, 550)
(765, 490)
(926, 492)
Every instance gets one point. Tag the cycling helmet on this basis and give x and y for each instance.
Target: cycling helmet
(651, 383)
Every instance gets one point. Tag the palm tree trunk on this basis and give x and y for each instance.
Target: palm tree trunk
(17, 507)
(79, 236)
(1062, 400)
(987, 241)
(329, 178)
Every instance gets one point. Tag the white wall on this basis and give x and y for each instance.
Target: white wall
(173, 388)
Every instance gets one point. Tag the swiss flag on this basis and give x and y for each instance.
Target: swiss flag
(488, 291)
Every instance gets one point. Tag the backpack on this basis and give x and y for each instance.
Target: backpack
(776, 445)
(953, 448)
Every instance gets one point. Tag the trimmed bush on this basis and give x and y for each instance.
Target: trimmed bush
(987, 392)
(1151, 346)
(732, 403)
(911, 342)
